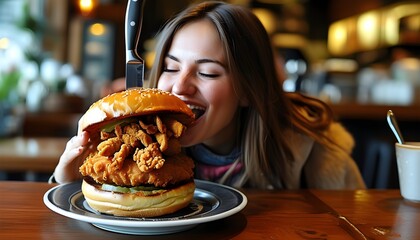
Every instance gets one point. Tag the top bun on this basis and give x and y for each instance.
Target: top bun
(134, 102)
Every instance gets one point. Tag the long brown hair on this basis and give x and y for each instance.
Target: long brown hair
(266, 153)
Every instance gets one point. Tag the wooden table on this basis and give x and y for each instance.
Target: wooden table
(31, 154)
(305, 214)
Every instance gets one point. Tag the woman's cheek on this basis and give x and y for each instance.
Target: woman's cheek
(162, 85)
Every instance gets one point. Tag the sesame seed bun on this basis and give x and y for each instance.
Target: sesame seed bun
(134, 102)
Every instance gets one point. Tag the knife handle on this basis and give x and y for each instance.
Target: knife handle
(133, 22)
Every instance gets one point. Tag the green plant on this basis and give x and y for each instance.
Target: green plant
(8, 83)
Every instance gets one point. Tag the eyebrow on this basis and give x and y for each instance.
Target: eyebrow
(204, 60)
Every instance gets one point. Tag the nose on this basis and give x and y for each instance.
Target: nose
(184, 85)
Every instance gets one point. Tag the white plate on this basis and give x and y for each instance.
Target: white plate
(211, 202)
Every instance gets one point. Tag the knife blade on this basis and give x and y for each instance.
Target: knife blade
(134, 63)
(342, 220)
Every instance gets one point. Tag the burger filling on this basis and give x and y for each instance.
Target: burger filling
(139, 151)
(112, 188)
(145, 190)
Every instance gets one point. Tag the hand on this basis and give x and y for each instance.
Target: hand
(67, 169)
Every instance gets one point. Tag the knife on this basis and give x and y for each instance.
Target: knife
(134, 63)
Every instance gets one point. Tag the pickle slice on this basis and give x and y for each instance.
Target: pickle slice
(112, 188)
(111, 126)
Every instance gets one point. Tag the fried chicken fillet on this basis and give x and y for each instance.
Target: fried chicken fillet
(133, 155)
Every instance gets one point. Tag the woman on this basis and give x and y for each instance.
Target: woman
(218, 58)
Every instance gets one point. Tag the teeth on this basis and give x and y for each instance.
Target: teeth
(194, 107)
(197, 110)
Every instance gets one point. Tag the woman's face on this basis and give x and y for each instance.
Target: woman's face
(195, 70)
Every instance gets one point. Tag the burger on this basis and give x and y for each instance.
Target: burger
(135, 166)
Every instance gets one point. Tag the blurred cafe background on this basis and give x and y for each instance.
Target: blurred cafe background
(360, 56)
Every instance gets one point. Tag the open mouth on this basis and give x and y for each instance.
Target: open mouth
(197, 110)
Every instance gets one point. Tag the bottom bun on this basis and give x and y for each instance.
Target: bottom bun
(138, 204)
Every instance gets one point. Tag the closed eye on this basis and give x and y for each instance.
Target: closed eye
(170, 70)
(209, 75)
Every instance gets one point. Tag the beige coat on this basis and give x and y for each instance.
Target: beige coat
(325, 168)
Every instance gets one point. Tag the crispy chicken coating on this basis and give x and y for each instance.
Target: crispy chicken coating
(176, 169)
(138, 152)
(149, 128)
(109, 147)
(106, 135)
(160, 126)
(174, 147)
(175, 127)
(163, 140)
(119, 158)
(149, 158)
